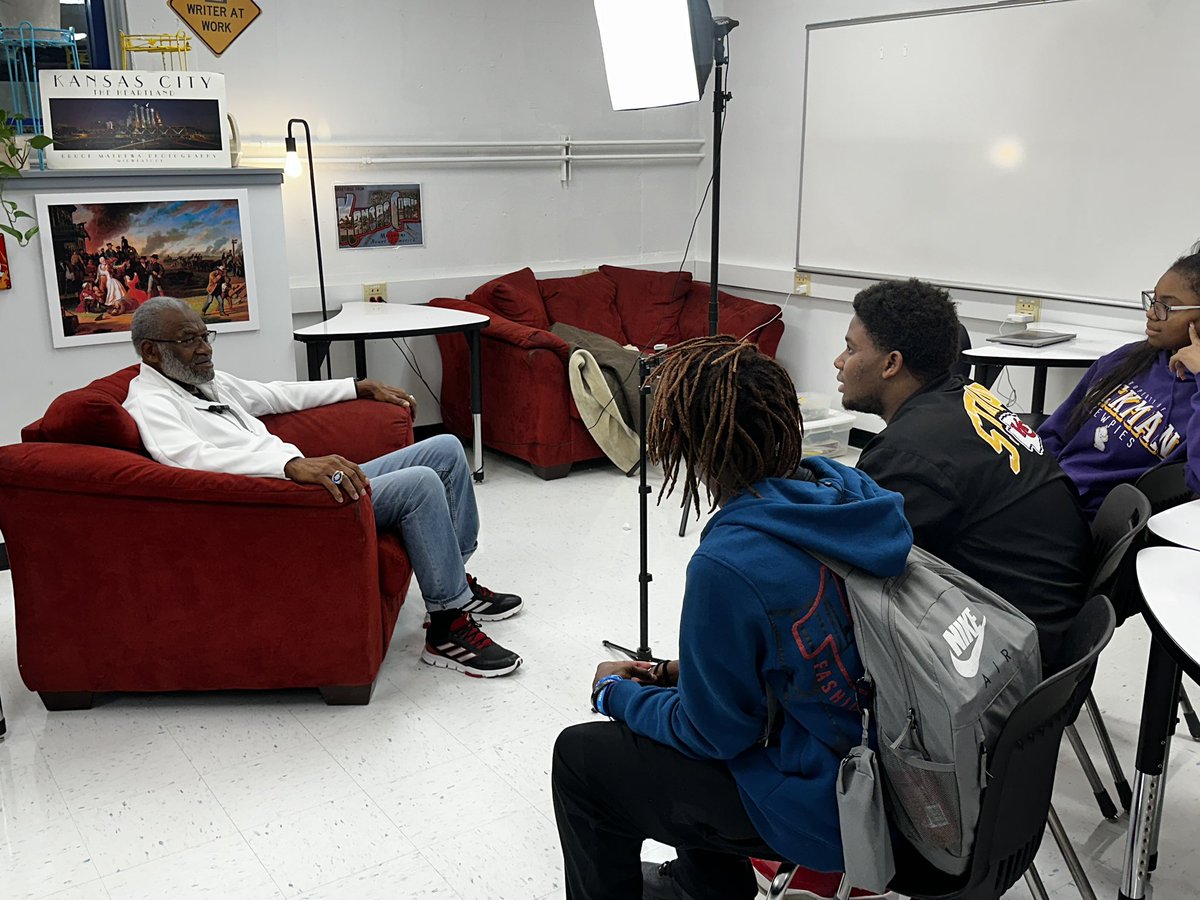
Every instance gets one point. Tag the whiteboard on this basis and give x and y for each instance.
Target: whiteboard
(1046, 148)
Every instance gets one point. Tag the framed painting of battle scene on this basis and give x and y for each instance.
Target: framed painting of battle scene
(106, 254)
(379, 215)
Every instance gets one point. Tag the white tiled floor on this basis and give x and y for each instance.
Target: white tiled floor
(248, 795)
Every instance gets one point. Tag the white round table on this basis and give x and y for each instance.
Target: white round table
(360, 322)
(1178, 525)
(1088, 345)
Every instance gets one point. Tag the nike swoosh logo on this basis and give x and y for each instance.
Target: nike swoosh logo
(969, 667)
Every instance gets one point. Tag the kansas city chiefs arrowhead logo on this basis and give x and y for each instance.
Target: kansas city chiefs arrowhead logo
(965, 637)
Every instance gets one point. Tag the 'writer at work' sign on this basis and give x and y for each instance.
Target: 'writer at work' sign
(217, 23)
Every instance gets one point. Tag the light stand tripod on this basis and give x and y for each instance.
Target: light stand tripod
(721, 97)
(646, 365)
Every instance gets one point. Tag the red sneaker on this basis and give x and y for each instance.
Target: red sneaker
(806, 883)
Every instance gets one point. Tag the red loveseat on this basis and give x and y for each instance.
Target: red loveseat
(129, 575)
(528, 411)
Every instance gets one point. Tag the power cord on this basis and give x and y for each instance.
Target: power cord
(405, 350)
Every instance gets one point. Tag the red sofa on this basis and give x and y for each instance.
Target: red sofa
(129, 575)
(528, 411)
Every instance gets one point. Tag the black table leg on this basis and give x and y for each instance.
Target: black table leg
(476, 400)
(1039, 391)
(1159, 701)
(360, 358)
(317, 351)
(986, 374)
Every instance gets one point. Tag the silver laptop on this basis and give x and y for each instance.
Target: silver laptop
(1032, 338)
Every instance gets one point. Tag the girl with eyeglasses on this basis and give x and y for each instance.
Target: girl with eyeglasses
(1135, 407)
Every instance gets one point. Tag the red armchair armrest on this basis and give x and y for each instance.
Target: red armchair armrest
(501, 329)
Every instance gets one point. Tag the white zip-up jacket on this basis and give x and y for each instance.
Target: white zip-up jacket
(219, 432)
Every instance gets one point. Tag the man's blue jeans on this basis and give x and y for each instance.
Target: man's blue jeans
(425, 491)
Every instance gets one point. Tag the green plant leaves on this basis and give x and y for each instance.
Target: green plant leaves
(12, 158)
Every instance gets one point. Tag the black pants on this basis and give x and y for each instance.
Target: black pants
(614, 789)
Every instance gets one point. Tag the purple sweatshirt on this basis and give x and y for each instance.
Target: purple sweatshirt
(1140, 424)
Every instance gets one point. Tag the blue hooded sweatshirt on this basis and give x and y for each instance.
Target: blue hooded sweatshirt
(758, 610)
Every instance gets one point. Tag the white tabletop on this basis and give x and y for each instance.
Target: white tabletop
(1088, 345)
(390, 319)
(1170, 582)
(1179, 524)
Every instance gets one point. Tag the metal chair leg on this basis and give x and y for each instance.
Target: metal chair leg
(783, 877)
(1068, 853)
(1033, 881)
(1108, 809)
(1124, 792)
(1189, 714)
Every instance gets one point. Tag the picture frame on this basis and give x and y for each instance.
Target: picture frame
(105, 253)
(379, 216)
(114, 118)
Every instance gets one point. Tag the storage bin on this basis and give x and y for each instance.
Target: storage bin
(829, 436)
(813, 405)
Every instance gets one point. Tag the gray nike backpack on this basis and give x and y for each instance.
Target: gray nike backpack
(946, 662)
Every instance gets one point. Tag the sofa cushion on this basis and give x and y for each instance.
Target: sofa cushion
(585, 301)
(515, 296)
(649, 303)
(92, 415)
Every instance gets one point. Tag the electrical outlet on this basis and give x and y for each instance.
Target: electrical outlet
(1029, 306)
(802, 284)
(375, 292)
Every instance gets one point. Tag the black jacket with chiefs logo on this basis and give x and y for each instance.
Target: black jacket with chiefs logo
(981, 493)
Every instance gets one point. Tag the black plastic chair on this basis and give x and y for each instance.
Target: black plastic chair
(1119, 523)
(1164, 486)
(962, 367)
(1016, 802)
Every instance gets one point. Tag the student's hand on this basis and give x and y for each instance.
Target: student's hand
(627, 668)
(1187, 359)
(369, 389)
(334, 473)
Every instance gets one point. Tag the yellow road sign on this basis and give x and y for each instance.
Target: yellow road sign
(216, 22)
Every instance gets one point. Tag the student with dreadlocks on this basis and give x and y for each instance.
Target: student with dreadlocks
(690, 759)
(1135, 407)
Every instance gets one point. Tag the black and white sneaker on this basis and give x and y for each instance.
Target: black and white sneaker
(487, 605)
(467, 649)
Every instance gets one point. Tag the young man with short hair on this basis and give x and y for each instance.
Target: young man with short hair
(979, 489)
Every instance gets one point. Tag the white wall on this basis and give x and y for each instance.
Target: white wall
(450, 70)
(440, 70)
(35, 372)
(761, 177)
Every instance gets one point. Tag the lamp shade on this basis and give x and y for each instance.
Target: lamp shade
(656, 52)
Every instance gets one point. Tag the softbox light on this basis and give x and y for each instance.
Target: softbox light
(656, 52)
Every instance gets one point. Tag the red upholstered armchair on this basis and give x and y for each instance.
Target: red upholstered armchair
(528, 411)
(129, 575)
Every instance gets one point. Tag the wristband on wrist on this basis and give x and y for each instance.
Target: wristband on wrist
(600, 689)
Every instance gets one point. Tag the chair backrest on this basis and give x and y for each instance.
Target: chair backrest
(1021, 771)
(1164, 486)
(1120, 519)
(962, 366)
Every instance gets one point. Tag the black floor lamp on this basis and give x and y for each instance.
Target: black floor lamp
(291, 168)
(661, 54)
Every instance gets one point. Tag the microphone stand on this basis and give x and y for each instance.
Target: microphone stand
(646, 365)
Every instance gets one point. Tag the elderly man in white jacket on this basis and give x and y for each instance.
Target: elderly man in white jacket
(192, 416)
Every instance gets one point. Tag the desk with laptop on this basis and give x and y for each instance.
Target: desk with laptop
(1043, 347)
